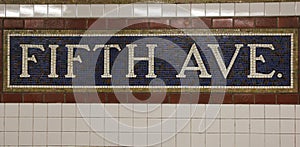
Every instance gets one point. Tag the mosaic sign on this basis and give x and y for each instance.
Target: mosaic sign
(255, 60)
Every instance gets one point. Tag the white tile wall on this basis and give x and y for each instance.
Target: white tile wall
(59, 125)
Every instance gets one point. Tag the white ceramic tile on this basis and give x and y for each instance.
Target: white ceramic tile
(297, 140)
(111, 124)
(110, 10)
(287, 140)
(297, 8)
(26, 124)
(212, 9)
(169, 10)
(297, 126)
(126, 124)
(126, 10)
(213, 140)
(69, 10)
(183, 10)
(97, 110)
(257, 111)
(25, 138)
(168, 125)
(257, 140)
(140, 10)
(97, 124)
(11, 110)
(287, 126)
(40, 124)
(96, 139)
(68, 110)
(272, 9)
(68, 138)
(183, 111)
(54, 138)
(39, 110)
(82, 124)
(183, 125)
(26, 10)
(54, 110)
(242, 9)
(242, 126)
(242, 111)
(111, 110)
(198, 125)
(197, 9)
(168, 111)
(40, 10)
(272, 126)
(257, 126)
(126, 110)
(2, 138)
(97, 10)
(12, 10)
(154, 110)
(2, 109)
(257, 9)
(140, 110)
(154, 139)
(83, 110)
(11, 124)
(227, 111)
(26, 110)
(242, 140)
(183, 139)
(83, 10)
(227, 140)
(287, 8)
(39, 138)
(140, 125)
(227, 9)
(126, 139)
(82, 138)
(272, 111)
(168, 139)
(2, 124)
(213, 125)
(197, 140)
(287, 111)
(111, 139)
(197, 111)
(227, 125)
(54, 10)
(297, 111)
(11, 138)
(2, 10)
(68, 124)
(140, 139)
(154, 10)
(54, 124)
(154, 125)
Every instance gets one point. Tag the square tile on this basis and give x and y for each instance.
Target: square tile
(11, 124)
(126, 125)
(2, 138)
(272, 126)
(168, 125)
(154, 125)
(257, 140)
(12, 10)
(26, 10)
(183, 139)
(39, 110)
(287, 8)
(197, 110)
(2, 114)
(96, 139)
(97, 124)
(68, 138)
(154, 110)
(257, 126)
(257, 9)
(183, 10)
(287, 126)
(11, 138)
(82, 138)
(168, 140)
(242, 140)
(212, 9)
(297, 8)
(126, 10)
(183, 111)
(111, 110)
(197, 9)
(154, 10)
(82, 124)
(287, 111)
(297, 126)
(272, 111)
(11, 110)
(126, 139)
(126, 110)
(40, 124)
(287, 140)
(54, 10)
(140, 110)
(297, 140)
(83, 10)
(39, 138)
(242, 126)
(97, 10)
(54, 138)
(54, 110)
(113, 139)
(242, 9)
(169, 10)
(298, 111)
(26, 110)
(2, 123)
(227, 140)
(257, 111)
(168, 111)
(69, 10)
(40, 10)
(242, 111)
(227, 125)
(25, 138)
(54, 124)
(272, 9)
(110, 10)
(111, 125)
(154, 139)
(212, 140)
(198, 125)
(68, 124)
(26, 124)
(83, 110)
(197, 140)
(272, 140)
(140, 139)
(97, 110)
(68, 110)
(213, 125)
(183, 125)
(227, 111)
(227, 9)
(140, 10)
(140, 125)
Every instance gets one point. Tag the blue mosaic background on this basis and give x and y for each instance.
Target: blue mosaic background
(278, 60)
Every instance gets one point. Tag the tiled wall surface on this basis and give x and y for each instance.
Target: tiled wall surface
(84, 124)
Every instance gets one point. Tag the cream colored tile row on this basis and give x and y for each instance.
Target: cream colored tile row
(149, 124)
(150, 10)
